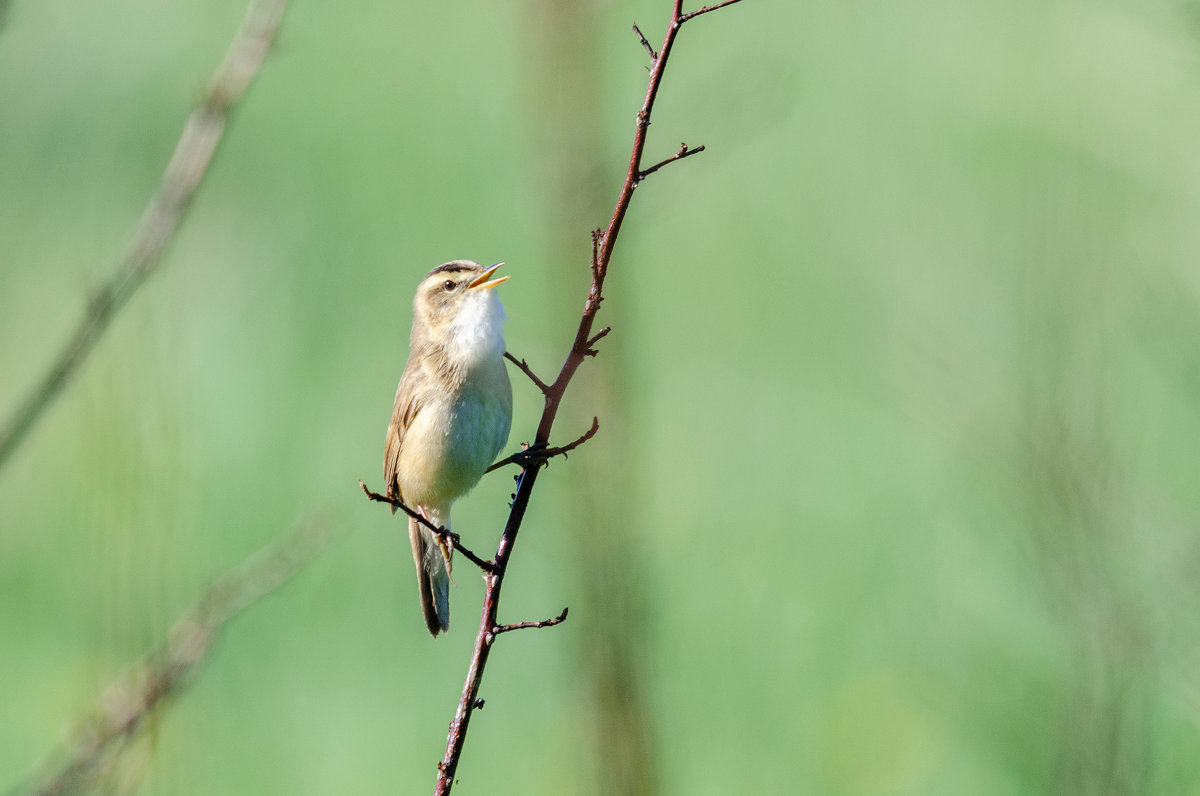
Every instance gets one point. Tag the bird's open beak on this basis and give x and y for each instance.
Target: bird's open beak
(482, 279)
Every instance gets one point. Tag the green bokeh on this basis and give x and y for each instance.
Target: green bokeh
(910, 356)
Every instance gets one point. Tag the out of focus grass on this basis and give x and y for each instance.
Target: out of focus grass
(908, 358)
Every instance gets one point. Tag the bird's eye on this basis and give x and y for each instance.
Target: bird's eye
(449, 285)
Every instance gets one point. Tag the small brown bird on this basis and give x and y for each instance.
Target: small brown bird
(452, 413)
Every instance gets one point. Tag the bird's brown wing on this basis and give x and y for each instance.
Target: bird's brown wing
(408, 403)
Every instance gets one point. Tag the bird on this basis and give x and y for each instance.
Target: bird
(452, 414)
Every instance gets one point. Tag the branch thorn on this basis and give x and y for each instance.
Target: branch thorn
(591, 351)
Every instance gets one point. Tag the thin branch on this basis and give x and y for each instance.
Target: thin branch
(201, 135)
(539, 456)
(145, 687)
(520, 363)
(683, 152)
(646, 44)
(447, 536)
(603, 243)
(523, 625)
(705, 10)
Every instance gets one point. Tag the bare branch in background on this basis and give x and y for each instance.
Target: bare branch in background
(129, 701)
(184, 173)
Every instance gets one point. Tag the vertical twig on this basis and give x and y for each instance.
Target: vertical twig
(603, 246)
(183, 175)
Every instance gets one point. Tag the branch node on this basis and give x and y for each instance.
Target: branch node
(597, 240)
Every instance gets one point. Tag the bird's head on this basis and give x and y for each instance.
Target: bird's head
(456, 306)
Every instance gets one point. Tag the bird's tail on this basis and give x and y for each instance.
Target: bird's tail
(433, 578)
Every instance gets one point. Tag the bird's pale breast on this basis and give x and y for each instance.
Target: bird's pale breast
(457, 437)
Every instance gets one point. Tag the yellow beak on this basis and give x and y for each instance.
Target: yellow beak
(481, 280)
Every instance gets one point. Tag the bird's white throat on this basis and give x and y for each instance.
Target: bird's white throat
(475, 333)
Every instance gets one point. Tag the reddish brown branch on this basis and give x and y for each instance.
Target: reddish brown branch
(522, 625)
(448, 537)
(603, 244)
(646, 44)
(705, 10)
(683, 152)
(591, 351)
(597, 236)
(520, 363)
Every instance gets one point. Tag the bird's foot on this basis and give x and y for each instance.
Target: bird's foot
(445, 541)
(534, 455)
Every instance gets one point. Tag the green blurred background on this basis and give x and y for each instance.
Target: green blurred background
(896, 490)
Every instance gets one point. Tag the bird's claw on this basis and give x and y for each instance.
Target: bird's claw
(534, 454)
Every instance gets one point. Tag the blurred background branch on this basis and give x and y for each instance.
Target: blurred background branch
(100, 740)
(562, 62)
(201, 135)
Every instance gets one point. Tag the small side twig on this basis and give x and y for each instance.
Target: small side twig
(540, 455)
(683, 152)
(524, 367)
(498, 629)
(705, 10)
(646, 44)
(597, 337)
(448, 537)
